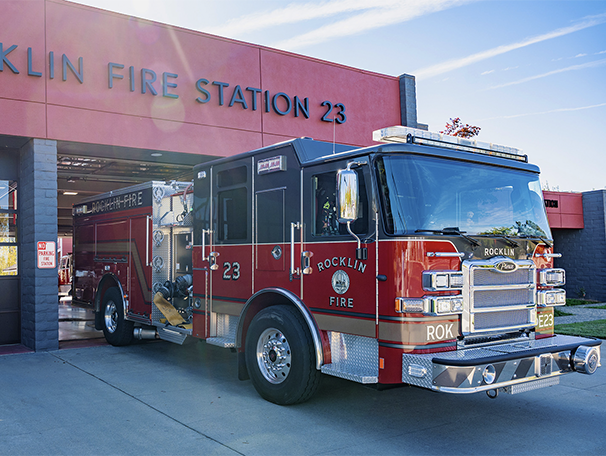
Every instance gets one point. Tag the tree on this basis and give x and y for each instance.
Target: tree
(456, 128)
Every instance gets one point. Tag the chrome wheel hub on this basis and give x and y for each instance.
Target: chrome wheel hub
(111, 317)
(273, 355)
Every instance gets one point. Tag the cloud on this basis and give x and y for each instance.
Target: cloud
(487, 72)
(455, 64)
(552, 111)
(389, 13)
(550, 73)
(293, 13)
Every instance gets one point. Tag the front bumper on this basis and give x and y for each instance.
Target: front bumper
(512, 367)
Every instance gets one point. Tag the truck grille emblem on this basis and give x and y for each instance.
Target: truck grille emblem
(506, 266)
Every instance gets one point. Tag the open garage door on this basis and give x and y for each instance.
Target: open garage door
(85, 170)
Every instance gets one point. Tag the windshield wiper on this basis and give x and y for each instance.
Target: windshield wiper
(510, 242)
(529, 236)
(451, 230)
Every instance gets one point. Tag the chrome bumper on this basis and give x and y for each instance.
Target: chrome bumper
(512, 367)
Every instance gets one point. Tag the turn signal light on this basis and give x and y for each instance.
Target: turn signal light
(410, 305)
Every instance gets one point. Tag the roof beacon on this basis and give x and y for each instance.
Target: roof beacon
(401, 134)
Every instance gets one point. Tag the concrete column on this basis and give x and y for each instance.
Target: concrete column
(408, 101)
(38, 222)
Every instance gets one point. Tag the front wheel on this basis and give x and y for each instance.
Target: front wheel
(116, 329)
(280, 356)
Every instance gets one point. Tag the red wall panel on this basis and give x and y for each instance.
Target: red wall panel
(371, 101)
(564, 210)
(186, 114)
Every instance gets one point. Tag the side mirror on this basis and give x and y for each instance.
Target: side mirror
(347, 195)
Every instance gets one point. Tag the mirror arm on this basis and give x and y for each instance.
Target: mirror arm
(361, 252)
(353, 234)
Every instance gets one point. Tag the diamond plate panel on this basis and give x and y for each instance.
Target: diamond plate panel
(530, 386)
(354, 358)
(227, 325)
(171, 216)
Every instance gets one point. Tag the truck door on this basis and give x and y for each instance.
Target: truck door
(278, 222)
(223, 195)
(341, 287)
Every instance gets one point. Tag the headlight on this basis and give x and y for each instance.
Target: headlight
(438, 305)
(552, 277)
(551, 298)
(446, 305)
(442, 280)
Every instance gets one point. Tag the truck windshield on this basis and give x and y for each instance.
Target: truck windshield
(430, 194)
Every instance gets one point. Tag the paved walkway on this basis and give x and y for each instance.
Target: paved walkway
(581, 313)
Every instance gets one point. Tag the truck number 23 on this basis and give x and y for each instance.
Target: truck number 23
(234, 268)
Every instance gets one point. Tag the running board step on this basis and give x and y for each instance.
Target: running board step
(350, 371)
(172, 335)
(223, 342)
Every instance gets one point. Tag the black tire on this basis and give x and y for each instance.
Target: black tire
(280, 356)
(116, 329)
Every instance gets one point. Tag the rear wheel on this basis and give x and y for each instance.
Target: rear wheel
(116, 329)
(280, 356)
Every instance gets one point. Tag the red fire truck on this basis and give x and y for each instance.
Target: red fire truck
(426, 260)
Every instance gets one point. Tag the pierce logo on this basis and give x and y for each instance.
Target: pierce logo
(506, 266)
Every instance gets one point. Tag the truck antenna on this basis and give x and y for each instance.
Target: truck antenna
(334, 127)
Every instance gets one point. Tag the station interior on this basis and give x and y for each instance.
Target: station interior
(86, 170)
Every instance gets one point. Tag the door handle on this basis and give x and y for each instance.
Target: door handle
(204, 233)
(293, 226)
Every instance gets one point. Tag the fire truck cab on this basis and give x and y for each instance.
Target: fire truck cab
(427, 261)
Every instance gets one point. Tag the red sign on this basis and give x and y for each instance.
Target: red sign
(46, 255)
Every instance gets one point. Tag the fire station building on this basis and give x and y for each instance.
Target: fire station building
(92, 101)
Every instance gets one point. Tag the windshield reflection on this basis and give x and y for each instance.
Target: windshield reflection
(428, 193)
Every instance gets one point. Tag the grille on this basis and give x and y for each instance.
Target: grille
(498, 300)
(501, 298)
(492, 277)
(500, 319)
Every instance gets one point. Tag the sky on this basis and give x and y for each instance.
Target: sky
(530, 74)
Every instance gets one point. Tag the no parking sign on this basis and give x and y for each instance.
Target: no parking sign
(46, 255)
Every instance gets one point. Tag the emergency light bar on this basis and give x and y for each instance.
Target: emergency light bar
(401, 134)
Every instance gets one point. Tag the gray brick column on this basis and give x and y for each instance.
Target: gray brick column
(38, 222)
(584, 251)
(408, 101)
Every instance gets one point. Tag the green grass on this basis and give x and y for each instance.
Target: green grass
(578, 302)
(596, 328)
(598, 307)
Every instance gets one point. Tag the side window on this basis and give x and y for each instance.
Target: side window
(270, 216)
(232, 213)
(325, 207)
